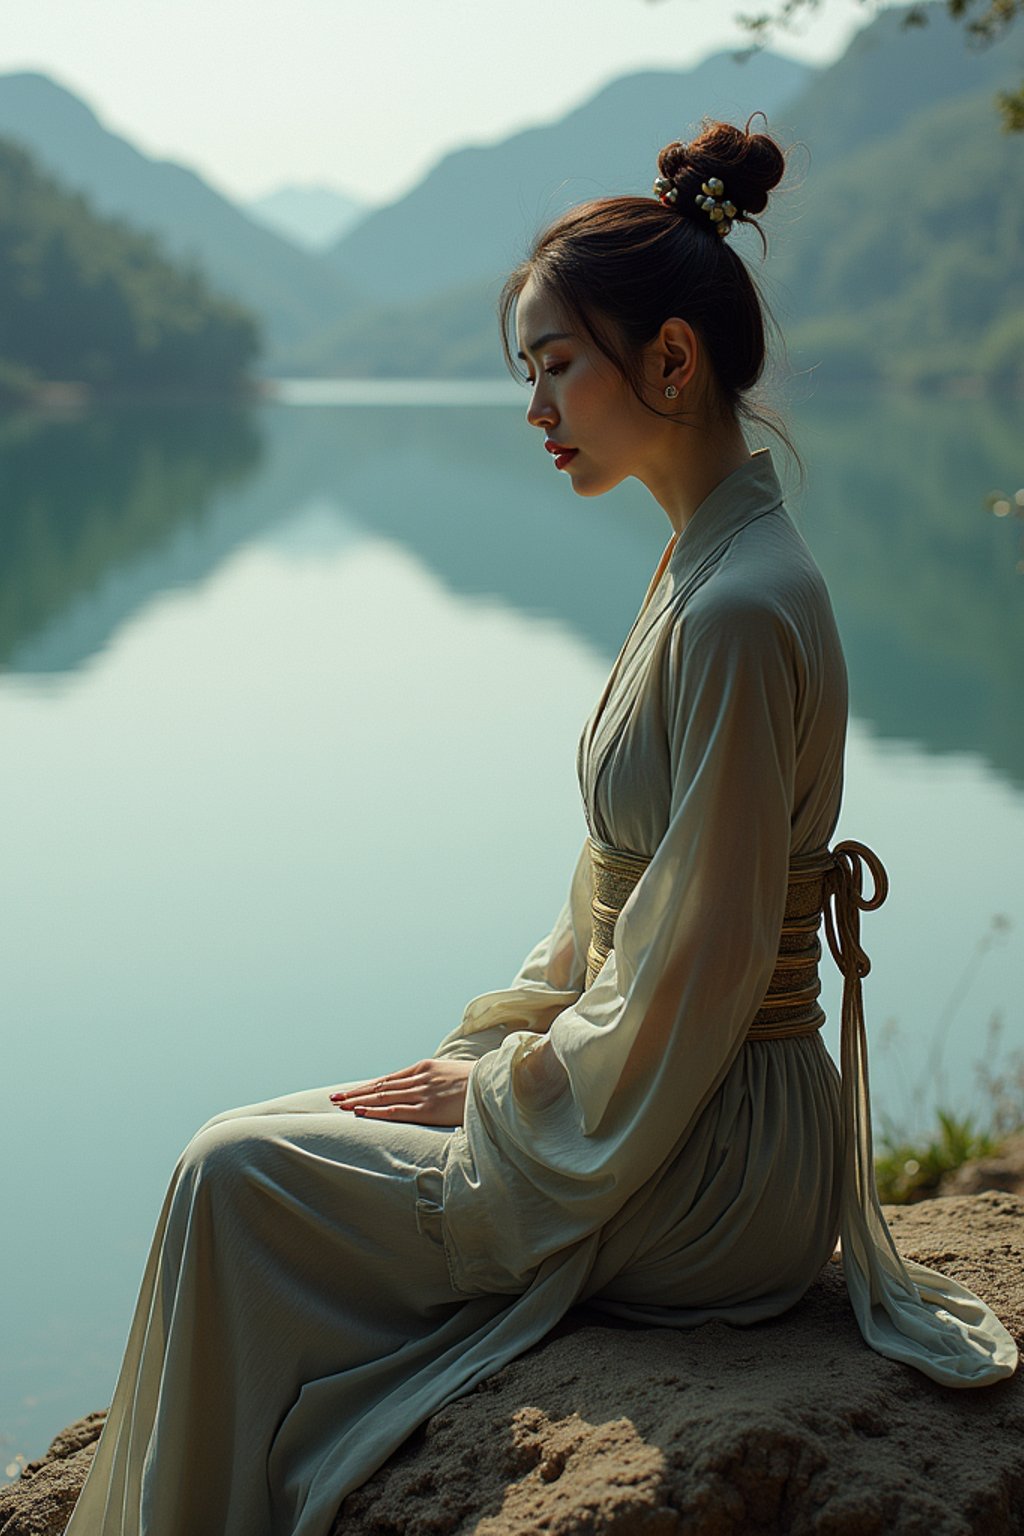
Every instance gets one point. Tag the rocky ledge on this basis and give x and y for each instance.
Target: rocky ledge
(792, 1426)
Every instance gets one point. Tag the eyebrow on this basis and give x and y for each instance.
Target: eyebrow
(542, 341)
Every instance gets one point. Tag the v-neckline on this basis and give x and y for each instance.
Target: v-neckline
(598, 713)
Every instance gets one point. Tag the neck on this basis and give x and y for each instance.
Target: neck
(689, 462)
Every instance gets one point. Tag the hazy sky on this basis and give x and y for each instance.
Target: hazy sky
(365, 97)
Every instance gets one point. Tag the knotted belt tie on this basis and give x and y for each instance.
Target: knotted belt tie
(827, 883)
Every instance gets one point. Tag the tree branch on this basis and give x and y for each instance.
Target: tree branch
(983, 29)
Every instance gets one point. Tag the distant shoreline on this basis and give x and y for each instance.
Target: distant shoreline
(69, 396)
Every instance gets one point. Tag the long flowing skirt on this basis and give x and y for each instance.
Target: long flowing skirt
(297, 1320)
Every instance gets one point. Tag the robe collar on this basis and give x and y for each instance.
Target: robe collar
(747, 493)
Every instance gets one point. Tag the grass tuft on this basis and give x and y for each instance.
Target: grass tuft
(906, 1171)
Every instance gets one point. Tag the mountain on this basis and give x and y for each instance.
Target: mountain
(894, 243)
(888, 74)
(451, 335)
(921, 274)
(290, 290)
(472, 215)
(895, 240)
(312, 217)
(899, 243)
(88, 299)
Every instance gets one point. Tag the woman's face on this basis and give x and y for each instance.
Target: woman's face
(580, 400)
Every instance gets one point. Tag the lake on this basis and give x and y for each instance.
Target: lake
(288, 710)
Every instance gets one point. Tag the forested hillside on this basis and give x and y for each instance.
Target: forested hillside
(291, 291)
(906, 263)
(896, 240)
(85, 298)
(474, 213)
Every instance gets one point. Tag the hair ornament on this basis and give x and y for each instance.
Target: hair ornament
(716, 205)
(711, 198)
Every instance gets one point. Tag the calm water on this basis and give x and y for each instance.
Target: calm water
(288, 714)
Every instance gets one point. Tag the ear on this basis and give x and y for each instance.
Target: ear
(675, 352)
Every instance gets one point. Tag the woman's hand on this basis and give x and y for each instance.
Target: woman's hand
(429, 1093)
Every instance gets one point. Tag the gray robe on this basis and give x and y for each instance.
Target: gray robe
(318, 1285)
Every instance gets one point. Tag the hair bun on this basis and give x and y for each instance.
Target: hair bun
(748, 164)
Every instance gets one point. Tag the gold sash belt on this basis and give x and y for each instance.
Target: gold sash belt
(824, 884)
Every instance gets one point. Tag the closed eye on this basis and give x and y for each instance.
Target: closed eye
(554, 368)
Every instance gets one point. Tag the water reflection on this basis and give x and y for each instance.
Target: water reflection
(90, 504)
(289, 726)
(924, 578)
(101, 515)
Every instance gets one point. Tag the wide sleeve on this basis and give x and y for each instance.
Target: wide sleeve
(562, 1128)
(549, 979)
(574, 1121)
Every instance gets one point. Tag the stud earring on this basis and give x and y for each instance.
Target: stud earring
(671, 391)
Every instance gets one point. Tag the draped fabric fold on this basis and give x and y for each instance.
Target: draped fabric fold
(904, 1309)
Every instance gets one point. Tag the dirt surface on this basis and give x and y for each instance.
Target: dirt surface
(41, 1501)
(792, 1426)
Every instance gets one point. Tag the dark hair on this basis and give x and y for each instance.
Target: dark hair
(637, 261)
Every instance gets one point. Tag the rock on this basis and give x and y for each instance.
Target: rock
(41, 1501)
(793, 1426)
(1003, 1170)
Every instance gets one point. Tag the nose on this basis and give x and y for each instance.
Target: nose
(539, 413)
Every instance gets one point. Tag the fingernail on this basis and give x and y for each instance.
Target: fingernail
(359, 1110)
(336, 1096)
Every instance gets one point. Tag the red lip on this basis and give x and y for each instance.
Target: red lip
(563, 455)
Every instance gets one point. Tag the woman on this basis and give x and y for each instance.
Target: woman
(646, 1118)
